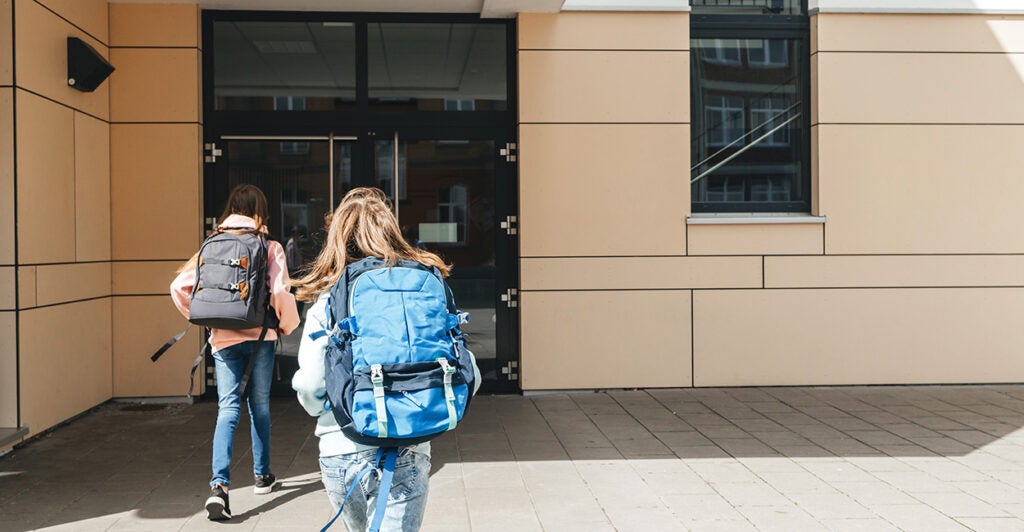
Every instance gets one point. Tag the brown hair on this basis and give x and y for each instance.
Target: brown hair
(362, 226)
(246, 200)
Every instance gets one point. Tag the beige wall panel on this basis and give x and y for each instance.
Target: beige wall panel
(559, 339)
(894, 271)
(60, 283)
(604, 31)
(766, 239)
(6, 176)
(6, 39)
(155, 187)
(922, 189)
(26, 286)
(8, 371)
(41, 57)
(886, 336)
(148, 75)
(92, 188)
(920, 33)
(144, 277)
(88, 15)
(154, 25)
(604, 86)
(141, 326)
(587, 189)
(46, 181)
(639, 273)
(911, 88)
(76, 362)
(8, 293)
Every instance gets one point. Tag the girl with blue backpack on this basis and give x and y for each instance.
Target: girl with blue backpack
(382, 364)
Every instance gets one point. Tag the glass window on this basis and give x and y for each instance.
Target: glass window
(437, 67)
(272, 66)
(749, 149)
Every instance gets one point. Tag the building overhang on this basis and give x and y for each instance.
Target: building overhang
(486, 8)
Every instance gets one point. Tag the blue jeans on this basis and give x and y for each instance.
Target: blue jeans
(406, 502)
(230, 363)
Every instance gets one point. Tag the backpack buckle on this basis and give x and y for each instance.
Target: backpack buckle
(233, 286)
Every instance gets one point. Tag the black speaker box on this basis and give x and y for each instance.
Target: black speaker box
(86, 68)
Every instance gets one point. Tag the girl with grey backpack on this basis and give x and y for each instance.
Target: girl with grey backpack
(237, 285)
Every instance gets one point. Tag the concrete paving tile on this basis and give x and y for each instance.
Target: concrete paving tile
(876, 493)
(787, 518)
(914, 482)
(992, 491)
(770, 464)
(918, 518)
(507, 509)
(72, 524)
(960, 505)
(699, 452)
(723, 471)
(682, 438)
(859, 525)
(837, 471)
(873, 464)
(993, 524)
(948, 470)
(484, 475)
(830, 505)
(746, 446)
(796, 482)
(740, 494)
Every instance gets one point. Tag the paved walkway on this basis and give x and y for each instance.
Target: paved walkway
(858, 458)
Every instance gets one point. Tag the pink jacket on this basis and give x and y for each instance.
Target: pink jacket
(280, 298)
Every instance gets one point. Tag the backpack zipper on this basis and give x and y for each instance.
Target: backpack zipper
(413, 399)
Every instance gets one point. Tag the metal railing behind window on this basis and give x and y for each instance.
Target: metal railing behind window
(752, 144)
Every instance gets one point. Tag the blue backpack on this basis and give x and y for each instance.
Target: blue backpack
(397, 369)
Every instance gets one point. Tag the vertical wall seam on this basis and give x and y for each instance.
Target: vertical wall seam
(693, 352)
(17, 283)
(110, 207)
(74, 179)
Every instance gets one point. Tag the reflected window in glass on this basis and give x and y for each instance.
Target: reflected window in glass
(750, 140)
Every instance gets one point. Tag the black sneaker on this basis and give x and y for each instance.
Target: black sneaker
(265, 484)
(218, 507)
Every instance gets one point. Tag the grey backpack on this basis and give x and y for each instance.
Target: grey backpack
(231, 291)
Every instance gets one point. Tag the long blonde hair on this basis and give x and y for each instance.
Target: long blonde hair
(362, 226)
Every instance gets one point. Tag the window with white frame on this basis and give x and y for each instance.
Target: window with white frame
(722, 52)
(767, 53)
(725, 120)
(766, 115)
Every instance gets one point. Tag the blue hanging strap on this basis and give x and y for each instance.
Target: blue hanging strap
(384, 488)
(351, 488)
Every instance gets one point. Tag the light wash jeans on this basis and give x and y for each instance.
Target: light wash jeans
(406, 502)
(230, 363)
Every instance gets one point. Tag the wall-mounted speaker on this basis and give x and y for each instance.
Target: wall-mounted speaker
(86, 67)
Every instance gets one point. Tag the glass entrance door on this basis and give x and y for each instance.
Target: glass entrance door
(451, 197)
(303, 178)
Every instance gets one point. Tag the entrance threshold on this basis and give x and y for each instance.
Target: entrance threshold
(9, 434)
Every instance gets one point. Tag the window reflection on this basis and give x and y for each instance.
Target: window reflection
(437, 67)
(745, 148)
(263, 66)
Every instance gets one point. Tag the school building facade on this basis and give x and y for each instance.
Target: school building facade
(635, 194)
